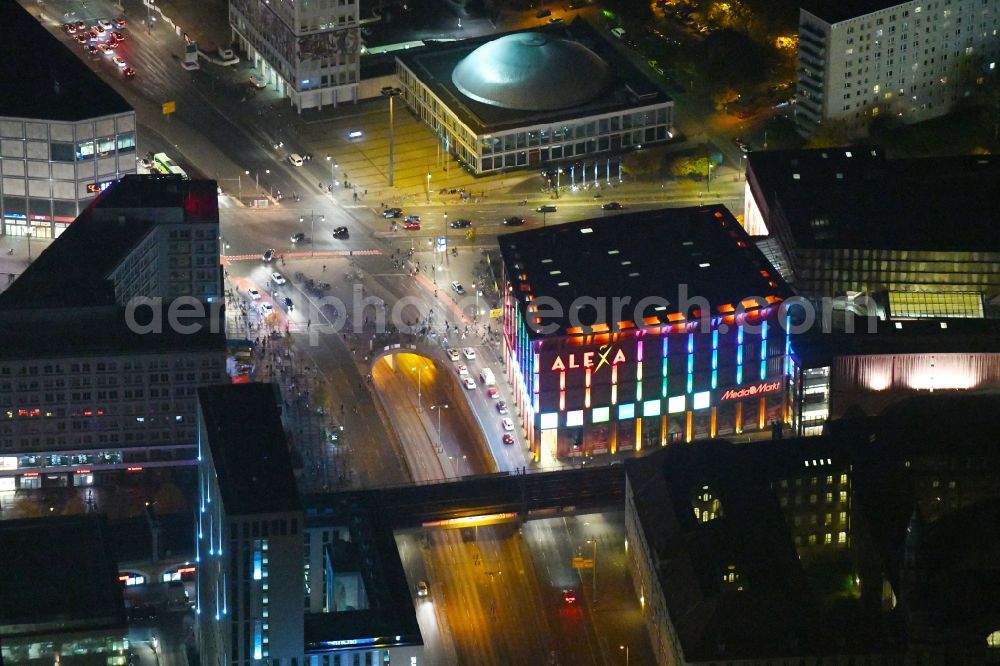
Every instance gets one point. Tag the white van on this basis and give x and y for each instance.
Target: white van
(618, 32)
(486, 376)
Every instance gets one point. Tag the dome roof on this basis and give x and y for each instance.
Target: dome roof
(531, 71)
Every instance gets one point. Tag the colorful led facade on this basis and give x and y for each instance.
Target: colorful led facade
(627, 386)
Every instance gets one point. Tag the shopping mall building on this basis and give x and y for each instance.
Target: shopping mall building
(558, 95)
(652, 327)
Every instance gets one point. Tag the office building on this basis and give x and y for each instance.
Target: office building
(61, 142)
(308, 51)
(88, 384)
(282, 581)
(559, 95)
(60, 600)
(696, 349)
(916, 235)
(868, 59)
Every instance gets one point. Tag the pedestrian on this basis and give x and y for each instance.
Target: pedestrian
(324, 268)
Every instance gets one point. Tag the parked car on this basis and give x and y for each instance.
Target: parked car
(296, 160)
(278, 278)
(612, 205)
(423, 589)
(546, 208)
(469, 353)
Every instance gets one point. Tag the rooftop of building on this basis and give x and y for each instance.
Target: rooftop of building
(243, 429)
(815, 348)
(657, 253)
(73, 271)
(856, 197)
(44, 79)
(835, 11)
(58, 574)
(545, 75)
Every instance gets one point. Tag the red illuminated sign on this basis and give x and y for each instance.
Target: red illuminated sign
(603, 356)
(750, 391)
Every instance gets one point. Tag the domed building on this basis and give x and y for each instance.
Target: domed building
(552, 95)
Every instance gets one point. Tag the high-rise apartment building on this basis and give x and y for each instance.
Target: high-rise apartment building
(309, 50)
(871, 58)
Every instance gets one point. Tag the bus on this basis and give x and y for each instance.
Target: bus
(165, 165)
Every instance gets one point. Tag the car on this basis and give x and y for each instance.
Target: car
(299, 237)
(99, 29)
(462, 370)
(556, 19)
(392, 213)
(457, 288)
(569, 597)
(83, 39)
(70, 28)
(469, 382)
(341, 232)
(493, 392)
(612, 205)
(412, 225)
(452, 354)
(254, 294)
(105, 23)
(278, 278)
(542, 13)
(258, 81)
(80, 25)
(288, 304)
(507, 424)
(190, 65)
(120, 22)
(118, 36)
(508, 439)
(129, 73)
(412, 218)
(618, 32)
(113, 43)
(106, 49)
(119, 62)
(469, 353)
(546, 208)
(502, 408)
(513, 221)
(91, 50)
(268, 255)
(744, 147)
(266, 309)
(423, 589)
(296, 160)
(461, 224)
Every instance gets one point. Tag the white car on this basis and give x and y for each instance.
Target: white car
(507, 424)
(119, 62)
(258, 81)
(469, 382)
(266, 309)
(296, 160)
(453, 354)
(278, 278)
(254, 294)
(469, 353)
(462, 370)
(105, 23)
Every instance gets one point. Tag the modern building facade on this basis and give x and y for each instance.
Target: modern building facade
(917, 236)
(280, 581)
(63, 142)
(654, 327)
(909, 60)
(308, 51)
(560, 95)
(90, 385)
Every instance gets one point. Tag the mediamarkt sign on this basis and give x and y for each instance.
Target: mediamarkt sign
(750, 391)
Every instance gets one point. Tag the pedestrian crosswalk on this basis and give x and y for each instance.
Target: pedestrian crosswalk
(301, 255)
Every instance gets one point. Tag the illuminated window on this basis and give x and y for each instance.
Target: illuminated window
(843, 479)
(702, 400)
(676, 404)
(843, 495)
(828, 519)
(993, 640)
(843, 517)
(651, 408)
(841, 537)
(626, 411)
(812, 539)
(601, 414)
(574, 418)
(828, 538)
(549, 421)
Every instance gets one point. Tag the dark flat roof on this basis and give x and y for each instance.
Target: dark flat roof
(639, 255)
(855, 197)
(243, 428)
(58, 574)
(73, 270)
(834, 11)
(42, 78)
(433, 65)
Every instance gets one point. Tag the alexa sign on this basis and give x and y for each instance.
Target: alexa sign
(603, 356)
(750, 391)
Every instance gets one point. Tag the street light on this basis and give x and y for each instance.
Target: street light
(593, 542)
(438, 408)
(333, 170)
(427, 189)
(624, 647)
(391, 92)
(419, 370)
(446, 236)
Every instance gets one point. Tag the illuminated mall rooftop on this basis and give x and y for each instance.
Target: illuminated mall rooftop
(638, 255)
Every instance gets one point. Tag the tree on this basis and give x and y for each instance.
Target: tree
(644, 162)
(830, 134)
(696, 167)
(26, 508)
(169, 499)
(724, 98)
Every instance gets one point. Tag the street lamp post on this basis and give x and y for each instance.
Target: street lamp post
(29, 244)
(593, 542)
(427, 188)
(438, 409)
(624, 647)
(333, 170)
(446, 237)
(419, 370)
(391, 92)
